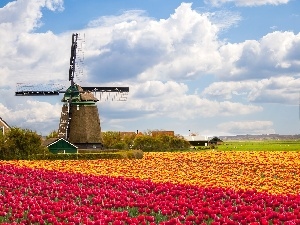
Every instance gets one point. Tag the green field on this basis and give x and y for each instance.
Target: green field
(293, 145)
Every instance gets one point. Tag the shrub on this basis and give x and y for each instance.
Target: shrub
(138, 154)
(134, 154)
(20, 143)
(120, 145)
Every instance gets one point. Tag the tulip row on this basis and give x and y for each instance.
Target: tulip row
(39, 196)
(272, 172)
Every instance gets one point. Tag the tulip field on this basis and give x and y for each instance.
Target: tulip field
(205, 187)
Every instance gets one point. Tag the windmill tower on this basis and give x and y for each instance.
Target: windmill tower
(79, 121)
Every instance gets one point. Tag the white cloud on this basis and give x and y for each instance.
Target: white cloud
(34, 58)
(154, 57)
(158, 50)
(54, 5)
(282, 89)
(159, 89)
(155, 98)
(4, 110)
(247, 2)
(125, 19)
(247, 127)
(224, 19)
(24, 15)
(35, 115)
(26, 55)
(184, 46)
(273, 55)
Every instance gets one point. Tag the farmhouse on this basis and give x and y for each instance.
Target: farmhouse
(4, 127)
(60, 145)
(197, 140)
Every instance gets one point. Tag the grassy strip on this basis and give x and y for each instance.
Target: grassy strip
(260, 146)
(130, 154)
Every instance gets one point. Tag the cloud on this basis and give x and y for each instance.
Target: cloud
(26, 55)
(273, 55)
(184, 47)
(155, 58)
(33, 115)
(247, 127)
(24, 15)
(224, 19)
(247, 2)
(167, 49)
(125, 19)
(284, 90)
(273, 27)
(155, 98)
(37, 60)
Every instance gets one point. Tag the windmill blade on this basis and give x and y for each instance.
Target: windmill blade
(106, 89)
(23, 89)
(111, 96)
(123, 96)
(109, 93)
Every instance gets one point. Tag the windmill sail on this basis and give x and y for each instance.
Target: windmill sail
(38, 89)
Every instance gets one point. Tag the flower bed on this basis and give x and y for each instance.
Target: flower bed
(162, 188)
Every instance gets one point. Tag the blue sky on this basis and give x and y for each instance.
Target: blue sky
(213, 67)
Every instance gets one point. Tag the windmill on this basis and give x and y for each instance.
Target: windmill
(79, 121)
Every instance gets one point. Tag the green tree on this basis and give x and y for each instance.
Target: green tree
(115, 140)
(215, 141)
(120, 145)
(162, 142)
(20, 144)
(129, 140)
(144, 142)
(110, 138)
(178, 142)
